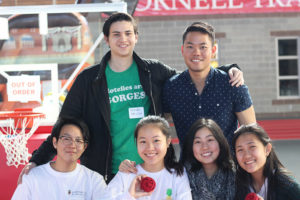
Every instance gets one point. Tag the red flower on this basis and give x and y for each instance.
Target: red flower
(252, 196)
(148, 184)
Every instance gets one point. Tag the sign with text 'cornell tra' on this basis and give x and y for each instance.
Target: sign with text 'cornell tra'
(24, 88)
(213, 7)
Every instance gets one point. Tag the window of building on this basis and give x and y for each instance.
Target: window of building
(288, 67)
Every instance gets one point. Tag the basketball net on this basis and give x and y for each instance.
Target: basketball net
(14, 138)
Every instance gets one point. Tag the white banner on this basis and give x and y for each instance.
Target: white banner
(4, 35)
(24, 88)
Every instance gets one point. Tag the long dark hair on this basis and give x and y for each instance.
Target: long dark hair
(159, 122)
(272, 170)
(224, 159)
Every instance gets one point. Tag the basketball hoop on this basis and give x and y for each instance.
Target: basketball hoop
(14, 134)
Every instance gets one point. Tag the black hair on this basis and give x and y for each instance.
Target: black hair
(117, 17)
(201, 27)
(62, 121)
(223, 161)
(273, 168)
(159, 122)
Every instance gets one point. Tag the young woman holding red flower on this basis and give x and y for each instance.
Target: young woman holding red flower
(153, 139)
(258, 168)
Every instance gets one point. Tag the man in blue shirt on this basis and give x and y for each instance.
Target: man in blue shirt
(203, 91)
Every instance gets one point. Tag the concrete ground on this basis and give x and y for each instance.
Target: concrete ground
(288, 152)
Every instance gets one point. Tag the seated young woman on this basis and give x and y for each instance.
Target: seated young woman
(206, 156)
(259, 169)
(63, 178)
(153, 140)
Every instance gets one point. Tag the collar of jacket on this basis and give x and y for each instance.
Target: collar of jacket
(140, 63)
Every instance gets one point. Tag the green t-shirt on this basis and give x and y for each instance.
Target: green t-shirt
(128, 103)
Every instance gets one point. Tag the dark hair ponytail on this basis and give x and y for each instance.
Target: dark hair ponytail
(170, 161)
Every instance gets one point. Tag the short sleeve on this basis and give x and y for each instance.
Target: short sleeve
(99, 186)
(23, 190)
(117, 189)
(183, 190)
(241, 98)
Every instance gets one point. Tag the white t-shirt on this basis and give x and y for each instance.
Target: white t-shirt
(118, 187)
(263, 190)
(43, 182)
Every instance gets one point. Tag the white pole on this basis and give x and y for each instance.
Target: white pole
(43, 23)
(64, 8)
(97, 42)
(4, 74)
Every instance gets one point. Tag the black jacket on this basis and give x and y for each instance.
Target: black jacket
(88, 99)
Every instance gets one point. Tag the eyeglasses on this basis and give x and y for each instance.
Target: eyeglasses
(66, 140)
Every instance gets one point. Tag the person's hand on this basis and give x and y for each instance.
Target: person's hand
(260, 198)
(128, 166)
(26, 170)
(135, 188)
(236, 77)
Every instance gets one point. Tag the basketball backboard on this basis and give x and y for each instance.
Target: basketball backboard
(37, 70)
(30, 86)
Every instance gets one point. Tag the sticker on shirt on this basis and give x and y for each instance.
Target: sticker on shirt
(137, 112)
(76, 195)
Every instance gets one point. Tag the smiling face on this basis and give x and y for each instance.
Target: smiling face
(251, 154)
(70, 144)
(152, 146)
(197, 51)
(121, 39)
(205, 147)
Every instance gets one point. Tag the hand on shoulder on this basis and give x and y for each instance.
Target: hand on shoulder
(26, 170)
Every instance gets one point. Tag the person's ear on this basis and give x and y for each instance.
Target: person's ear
(182, 49)
(169, 140)
(85, 145)
(54, 142)
(214, 50)
(106, 40)
(136, 37)
(268, 149)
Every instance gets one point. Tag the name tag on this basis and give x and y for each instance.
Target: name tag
(137, 112)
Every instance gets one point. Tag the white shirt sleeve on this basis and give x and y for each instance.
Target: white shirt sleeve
(23, 191)
(183, 190)
(99, 186)
(117, 189)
